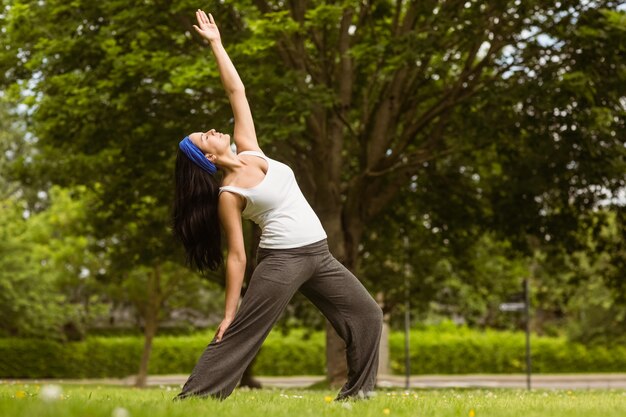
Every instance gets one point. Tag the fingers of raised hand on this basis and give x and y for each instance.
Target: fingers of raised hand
(209, 19)
(202, 17)
(201, 23)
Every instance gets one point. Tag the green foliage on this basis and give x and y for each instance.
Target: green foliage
(554, 172)
(102, 356)
(467, 351)
(116, 86)
(164, 290)
(43, 261)
(450, 271)
(103, 116)
(12, 144)
(577, 293)
(500, 124)
(444, 349)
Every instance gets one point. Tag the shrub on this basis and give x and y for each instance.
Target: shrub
(432, 350)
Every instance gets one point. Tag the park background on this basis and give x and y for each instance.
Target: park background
(452, 149)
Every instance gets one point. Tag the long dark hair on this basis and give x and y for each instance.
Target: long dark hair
(195, 220)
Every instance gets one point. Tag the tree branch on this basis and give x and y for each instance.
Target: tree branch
(386, 191)
(410, 19)
(396, 17)
(453, 96)
(344, 69)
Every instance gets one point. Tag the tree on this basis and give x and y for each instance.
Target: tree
(152, 292)
(472, 92)
(9, 137)
(587, 300)
(358, 97)
(452, 267)
(45, 287)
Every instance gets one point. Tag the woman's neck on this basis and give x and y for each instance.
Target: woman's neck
(229, 163)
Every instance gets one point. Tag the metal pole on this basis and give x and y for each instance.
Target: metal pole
(527, 317)
(407, 315)
(406, 342)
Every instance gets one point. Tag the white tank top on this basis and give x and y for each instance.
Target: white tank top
(278, 206)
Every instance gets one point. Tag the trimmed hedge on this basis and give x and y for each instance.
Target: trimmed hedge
(433, 351)
(467, 351)
(99, 356)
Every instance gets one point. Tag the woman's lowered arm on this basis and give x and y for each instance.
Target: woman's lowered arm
(229, 210)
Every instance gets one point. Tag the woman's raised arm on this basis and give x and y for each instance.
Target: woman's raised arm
(244, 134)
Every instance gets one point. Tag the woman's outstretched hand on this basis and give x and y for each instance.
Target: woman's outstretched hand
(206, 26)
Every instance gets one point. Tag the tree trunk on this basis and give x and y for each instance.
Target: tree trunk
(336, 365)
(151, 321)
(149, 333)
(247, 379)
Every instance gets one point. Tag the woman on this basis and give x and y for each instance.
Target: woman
(293, 253)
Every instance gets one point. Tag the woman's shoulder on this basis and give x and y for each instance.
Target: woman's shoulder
(252, 152)
(255, 158)
(252, 173)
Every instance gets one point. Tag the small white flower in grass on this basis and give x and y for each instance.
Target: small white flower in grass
(347, 406)
(51, 392)
(120, 412)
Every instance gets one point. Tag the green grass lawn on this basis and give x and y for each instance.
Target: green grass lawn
(107, 401)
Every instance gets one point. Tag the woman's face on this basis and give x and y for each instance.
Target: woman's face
(211, 141)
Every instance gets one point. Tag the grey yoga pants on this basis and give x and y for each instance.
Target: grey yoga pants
(330, 286)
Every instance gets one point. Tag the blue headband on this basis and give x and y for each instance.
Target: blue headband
(195, 154)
